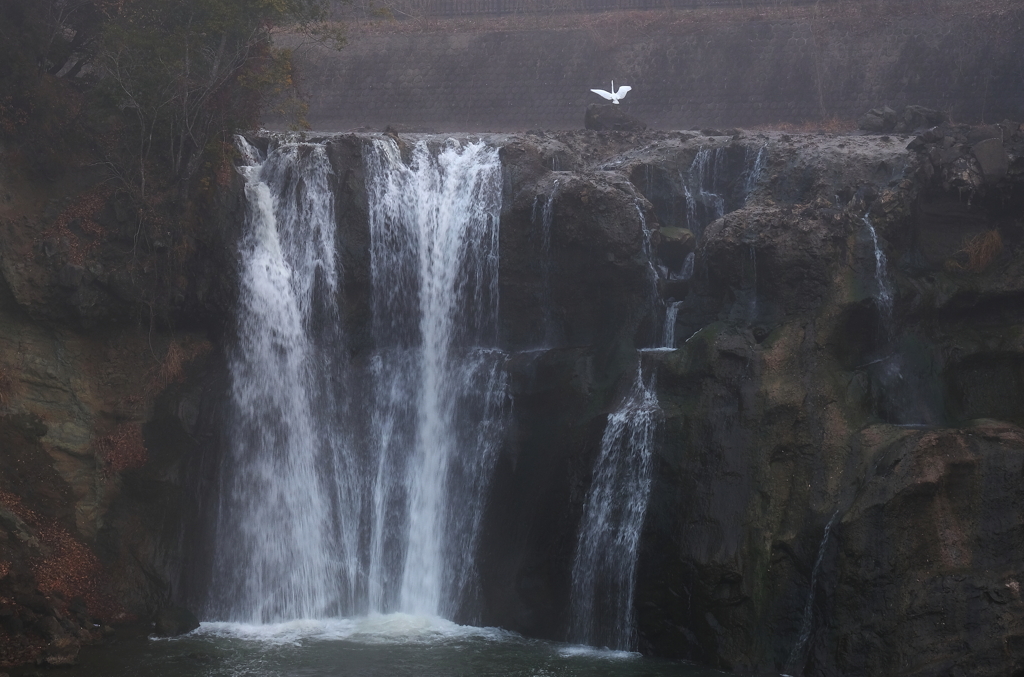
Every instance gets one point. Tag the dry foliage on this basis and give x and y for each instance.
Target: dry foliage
(85, 209)
(6, 390)
(977, 253)
(67, 566)
(123, 449)
(172, 368)
(77, 224)
(177, 357)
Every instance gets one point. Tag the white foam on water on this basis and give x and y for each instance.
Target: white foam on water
(581, 650)
(394, 629)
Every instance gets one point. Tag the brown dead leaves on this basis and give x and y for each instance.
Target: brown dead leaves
(122, 449)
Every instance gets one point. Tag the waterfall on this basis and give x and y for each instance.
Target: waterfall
(754, 173)
(604, 568)
(883, 289)
(797, 657)
(440, 390)
(654, 298)
(901, 385)
(352, 488)
(706, 184)
(278, 554)
(668, 337)
(701, 186)
(542, 217)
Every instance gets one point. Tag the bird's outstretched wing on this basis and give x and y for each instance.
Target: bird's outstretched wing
(622, 91)
(607, 95)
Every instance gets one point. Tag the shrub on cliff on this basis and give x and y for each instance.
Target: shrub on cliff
(154, 87)
(183, 76)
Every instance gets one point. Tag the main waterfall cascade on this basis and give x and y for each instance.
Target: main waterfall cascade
(331, 505)
(280, 552)
(440, 387)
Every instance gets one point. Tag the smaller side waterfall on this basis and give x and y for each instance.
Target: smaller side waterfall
(685, 271)
(798, 656)
(604, 569)
(542, 217)
(704, 200)
(654, 298)
(883, 293)
(277, 554)
(668, 337)
(754, 173)
(712, 186)
(905, 390)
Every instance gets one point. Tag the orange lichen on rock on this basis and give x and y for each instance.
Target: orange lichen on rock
(122, 449)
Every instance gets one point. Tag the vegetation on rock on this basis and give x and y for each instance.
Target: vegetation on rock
(149, 89)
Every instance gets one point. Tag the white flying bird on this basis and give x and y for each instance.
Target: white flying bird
(614, 98)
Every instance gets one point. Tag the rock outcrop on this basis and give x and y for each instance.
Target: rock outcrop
(105, 356)
(606, 117)
(821, 505)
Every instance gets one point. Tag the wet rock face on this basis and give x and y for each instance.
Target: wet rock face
(925, 557)
(806, 400)
(104, 359)
(837, 301)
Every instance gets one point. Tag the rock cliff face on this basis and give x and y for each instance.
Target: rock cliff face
(108, 344)
(833, 437)
(836, 475)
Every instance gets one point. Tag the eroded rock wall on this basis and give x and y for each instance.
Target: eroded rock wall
(109, 365)
(805, 403)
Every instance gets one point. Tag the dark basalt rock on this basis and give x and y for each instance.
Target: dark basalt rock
(173, 620)
(878, 120)
(992, 158)
(917, 117)
(606, 117)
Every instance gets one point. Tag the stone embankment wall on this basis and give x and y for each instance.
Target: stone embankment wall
(420, 8)
(739, 66)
